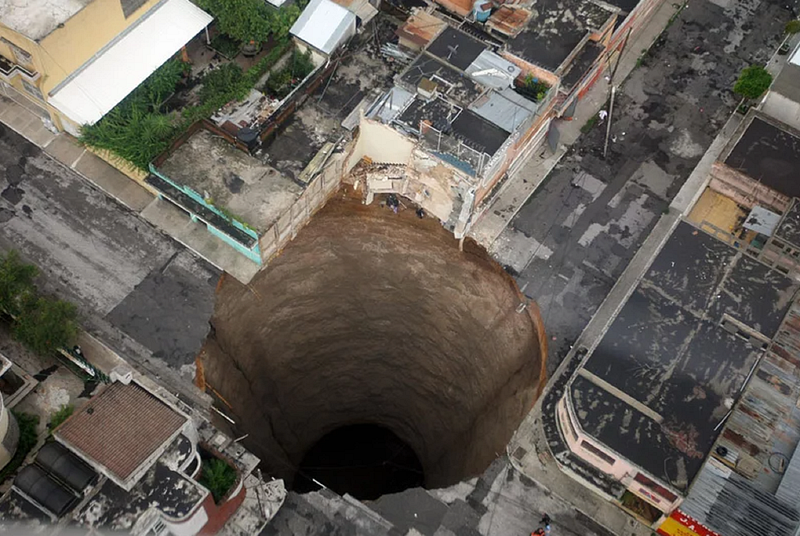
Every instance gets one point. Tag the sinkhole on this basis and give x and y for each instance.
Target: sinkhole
(374, 355)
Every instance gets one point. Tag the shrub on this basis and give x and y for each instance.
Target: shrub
(63, 413)
(533, 88)
(16, 282)
(752, 82)
(792, 27)
(251, 20)
(281, 83)
(27, 440)
(44, 325)
(218, 477)
(223, 85)
(225, 45)
(135, 130)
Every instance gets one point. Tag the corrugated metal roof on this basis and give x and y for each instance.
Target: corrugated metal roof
(493, 71)
(391, 104)
(105, 80)
(324, 25)
(728, 504)
(762, 221)
(507, 109)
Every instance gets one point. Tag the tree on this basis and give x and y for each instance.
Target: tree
(244, 20)
(16, 282)
(44, 325)
(752, 82)
(792, 27)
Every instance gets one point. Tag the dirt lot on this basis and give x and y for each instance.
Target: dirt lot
(369, 317)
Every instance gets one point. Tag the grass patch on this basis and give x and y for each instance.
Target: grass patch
(218, 477)
(589, 124)
(27, 440)
(63, 413)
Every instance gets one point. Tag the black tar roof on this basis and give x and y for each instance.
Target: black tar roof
(479, 133)
(769, 154)
(581, 64)
(462, 89)
(456, 48)
(789, 228)
(667, 350)
(556, 28)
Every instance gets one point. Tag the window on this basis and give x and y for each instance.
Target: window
(597, 452)
(129, 7)
(33, 90)
(20, 56)
(158, 529)
(661, 490)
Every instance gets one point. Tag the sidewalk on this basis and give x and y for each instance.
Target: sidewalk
(64, 149)
(528, 450)
(512, 195)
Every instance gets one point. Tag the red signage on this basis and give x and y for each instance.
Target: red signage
(679, 524)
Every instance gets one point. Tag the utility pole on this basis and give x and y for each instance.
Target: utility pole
(610, 113)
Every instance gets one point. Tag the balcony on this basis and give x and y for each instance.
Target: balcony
(9, 69)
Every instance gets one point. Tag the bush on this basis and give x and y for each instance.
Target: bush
(533, 88)
(281, 83)
(251, 20)
(63, 413)
(792, 27)
(223, 85)
(135, 130)
(218, 477)
(16, 282)
(225, 45)
(752, 82)
(27, 440)
(44, 325)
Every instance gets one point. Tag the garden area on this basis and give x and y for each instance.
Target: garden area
(250, 50)
(217, 476)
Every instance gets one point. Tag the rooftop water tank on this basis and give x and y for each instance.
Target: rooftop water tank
(482, 10)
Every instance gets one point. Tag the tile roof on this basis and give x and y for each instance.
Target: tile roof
(120, 428)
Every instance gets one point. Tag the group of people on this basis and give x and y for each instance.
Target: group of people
(544, 529)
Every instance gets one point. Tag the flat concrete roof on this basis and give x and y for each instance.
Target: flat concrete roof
(244, 186)
(789, 227)
(788, 82)
(556, 28)
(672, 360)
(36, 19)
(769, 153)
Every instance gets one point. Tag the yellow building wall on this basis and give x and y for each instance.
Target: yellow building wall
(65, 49)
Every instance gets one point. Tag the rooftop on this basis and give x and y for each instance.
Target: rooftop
(36, 19)
(788, 82)
(556, 29)
(174, 494)
(683, 344)
(456, 85)
(120, 429)
(253, 191)
(456, 48)
(789, 227)
(324, 25)
(768, 152)
(420, 27)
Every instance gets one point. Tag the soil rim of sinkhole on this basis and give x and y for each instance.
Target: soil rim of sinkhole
(373, 318)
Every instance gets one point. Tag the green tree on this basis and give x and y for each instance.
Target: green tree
(792, 27)
(752, 82)
(218, 477)
(244, 20)
(16, 282)
(44, 325)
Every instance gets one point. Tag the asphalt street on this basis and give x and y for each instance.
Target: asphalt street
(574, 237)
(139, 290)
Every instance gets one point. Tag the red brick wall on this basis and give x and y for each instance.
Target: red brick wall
(218, 514)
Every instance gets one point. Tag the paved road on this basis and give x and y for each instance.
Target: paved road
(577, 233)
(138, 289)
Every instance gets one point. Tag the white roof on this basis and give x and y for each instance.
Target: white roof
(104, 81)
(324, 25)
(762, 221)
(795, 58)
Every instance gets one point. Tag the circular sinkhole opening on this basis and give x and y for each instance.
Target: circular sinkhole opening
(364, 460)
(374, 333)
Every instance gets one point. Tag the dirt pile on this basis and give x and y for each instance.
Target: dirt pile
(371, 317)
